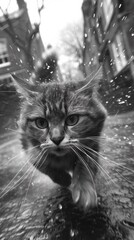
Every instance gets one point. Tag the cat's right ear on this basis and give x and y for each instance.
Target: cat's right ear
(25, 88)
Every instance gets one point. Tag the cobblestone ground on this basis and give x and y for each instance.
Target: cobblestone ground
(118, 159)
(24, 193)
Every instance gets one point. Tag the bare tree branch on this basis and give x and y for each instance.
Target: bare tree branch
(25, 43)
(72, 39)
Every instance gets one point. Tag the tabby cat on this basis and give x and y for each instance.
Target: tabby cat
(60, 124)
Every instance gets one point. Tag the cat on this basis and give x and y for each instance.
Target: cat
(60, 124)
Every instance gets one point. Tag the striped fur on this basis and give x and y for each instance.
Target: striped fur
(56, 102)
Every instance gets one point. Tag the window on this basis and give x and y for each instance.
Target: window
(119, 54)
(108, 65)
(6, 83)
(4, 57)
(101, 29)
(130, 36)
(108, 9)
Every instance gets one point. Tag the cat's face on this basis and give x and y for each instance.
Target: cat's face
(55, 119)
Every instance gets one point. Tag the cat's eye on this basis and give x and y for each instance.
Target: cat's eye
(41, 123)
(72, 120)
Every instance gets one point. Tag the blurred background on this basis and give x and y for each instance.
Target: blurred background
(94, 39)
(88, 35)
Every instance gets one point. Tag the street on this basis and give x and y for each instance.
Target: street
(24, 191)
(21, 208)
(67, 41)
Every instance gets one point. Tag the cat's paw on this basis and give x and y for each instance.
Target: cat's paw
(84, 195)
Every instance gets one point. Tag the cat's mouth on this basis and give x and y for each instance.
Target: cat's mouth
(56, 150)
(59, 151)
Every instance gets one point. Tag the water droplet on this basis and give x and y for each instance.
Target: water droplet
(46, 236)
(51, 220)
(60, 206)
(72, 233)
(48, 226)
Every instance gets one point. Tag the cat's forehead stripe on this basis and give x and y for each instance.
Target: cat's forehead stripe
(48, 107)
(51, 107)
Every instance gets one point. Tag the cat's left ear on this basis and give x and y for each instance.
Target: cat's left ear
(25, 88)
(84, 88)
(90, 84)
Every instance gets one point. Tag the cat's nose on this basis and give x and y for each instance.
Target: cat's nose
(57, 141)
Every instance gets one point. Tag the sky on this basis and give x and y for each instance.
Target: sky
(55, 16)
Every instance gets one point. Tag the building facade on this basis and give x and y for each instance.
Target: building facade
(114, 31)
(112, 24)
(13, 57)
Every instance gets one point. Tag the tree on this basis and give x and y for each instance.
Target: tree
(90, 52)
(23, 35)
(78, 41)
(71, 43)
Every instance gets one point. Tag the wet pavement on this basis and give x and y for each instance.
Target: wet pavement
(118, 152)
(22, 191)
(28, 199)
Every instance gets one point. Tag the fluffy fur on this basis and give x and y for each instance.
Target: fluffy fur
(60, 126)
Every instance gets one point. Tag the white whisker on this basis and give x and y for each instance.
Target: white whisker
(32, 175)
(97, 164)
(85, 164)
(20, 180)
(18, 155)
(5, 145)
(89, 83)
(108, 160)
